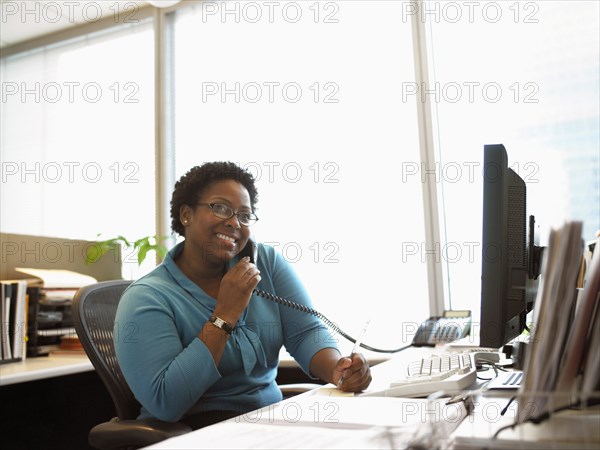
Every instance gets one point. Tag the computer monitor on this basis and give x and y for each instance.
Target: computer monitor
(510, 259)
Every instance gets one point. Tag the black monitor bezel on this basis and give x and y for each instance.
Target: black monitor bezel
(505, 263)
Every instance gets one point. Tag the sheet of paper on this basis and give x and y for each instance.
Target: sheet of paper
(354, 412)
(231, 435)
(333, 392)
(54, 278)
(324, 421)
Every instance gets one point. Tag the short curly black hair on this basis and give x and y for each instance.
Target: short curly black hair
(192, 185)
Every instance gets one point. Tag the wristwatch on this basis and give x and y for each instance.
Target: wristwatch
(220, 323)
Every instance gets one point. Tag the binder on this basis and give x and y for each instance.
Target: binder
(13, 328)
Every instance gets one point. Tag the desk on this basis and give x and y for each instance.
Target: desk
(43, 367)
(569, 429)
(317, 419)
(51, 402)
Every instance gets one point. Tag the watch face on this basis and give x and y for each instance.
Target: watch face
(220, 323)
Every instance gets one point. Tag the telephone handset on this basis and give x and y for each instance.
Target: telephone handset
(452, 326)
(251, 250)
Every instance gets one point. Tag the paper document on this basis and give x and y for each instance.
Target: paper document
(325, 421)
(328, 411)
(562, 339)
(53, 278)
(231, 435)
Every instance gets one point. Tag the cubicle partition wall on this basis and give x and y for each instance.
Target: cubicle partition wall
(41, 252)
(49, 321)
(51, 401)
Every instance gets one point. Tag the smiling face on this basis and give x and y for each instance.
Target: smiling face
(217, 240)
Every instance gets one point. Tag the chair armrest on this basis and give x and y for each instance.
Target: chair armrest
(133, 433)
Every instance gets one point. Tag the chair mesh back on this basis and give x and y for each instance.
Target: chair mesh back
(94, 310)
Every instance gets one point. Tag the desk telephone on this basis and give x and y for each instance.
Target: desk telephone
(449, 328)
(452, 326)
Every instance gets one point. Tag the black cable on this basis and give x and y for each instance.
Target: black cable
(486, 366)
(329, 323)
(512, 399)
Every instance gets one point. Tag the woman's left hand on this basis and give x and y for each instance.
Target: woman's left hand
(355, 374)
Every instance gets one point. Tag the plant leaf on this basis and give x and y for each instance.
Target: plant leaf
(143, 245)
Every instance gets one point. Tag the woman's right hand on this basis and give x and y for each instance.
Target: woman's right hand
(236, 289)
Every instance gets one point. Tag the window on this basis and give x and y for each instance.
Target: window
(524, 74)
(77, 137)
(317, 99)
(307, 96)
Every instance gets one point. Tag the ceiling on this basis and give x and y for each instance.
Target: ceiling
(25, 20)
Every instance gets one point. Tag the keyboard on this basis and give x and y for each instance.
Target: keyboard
(450, 372)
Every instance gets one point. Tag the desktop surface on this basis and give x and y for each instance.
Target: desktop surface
(329, 418)
(42, 367)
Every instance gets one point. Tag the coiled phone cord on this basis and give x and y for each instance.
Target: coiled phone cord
(330, 324)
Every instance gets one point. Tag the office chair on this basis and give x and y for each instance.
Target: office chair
(94, 310)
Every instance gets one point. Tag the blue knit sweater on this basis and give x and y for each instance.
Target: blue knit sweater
(170, 370)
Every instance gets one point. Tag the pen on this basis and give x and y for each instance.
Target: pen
(356, 346)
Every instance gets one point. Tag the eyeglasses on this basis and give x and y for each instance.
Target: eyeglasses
(225, 212)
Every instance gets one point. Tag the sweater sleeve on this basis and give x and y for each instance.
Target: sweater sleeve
(171, 377)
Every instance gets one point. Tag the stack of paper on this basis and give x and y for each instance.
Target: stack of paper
(321, 420)
(51, 311)
(565, 320)
(59, 278)
(590, 383)
(59, 286)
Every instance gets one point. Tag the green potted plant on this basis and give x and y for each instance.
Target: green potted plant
(142, 246)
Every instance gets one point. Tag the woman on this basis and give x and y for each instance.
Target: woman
(194, 343)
